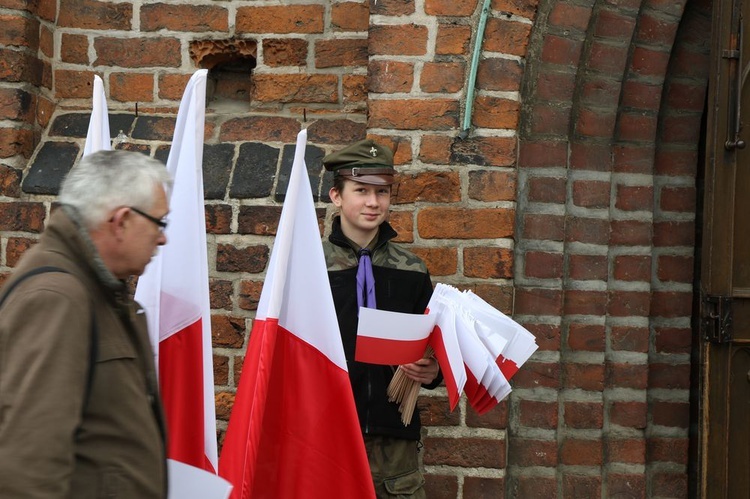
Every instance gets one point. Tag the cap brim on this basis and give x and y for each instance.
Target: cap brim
(372, 179)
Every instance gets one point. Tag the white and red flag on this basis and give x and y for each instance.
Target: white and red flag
(174, 293)
(294, 430)
(97, 136)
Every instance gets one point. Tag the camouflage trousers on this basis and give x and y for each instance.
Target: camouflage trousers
(394, 465)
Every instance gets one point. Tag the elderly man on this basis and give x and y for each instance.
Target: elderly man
(80, 414)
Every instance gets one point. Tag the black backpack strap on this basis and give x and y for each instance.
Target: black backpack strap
(93, 347)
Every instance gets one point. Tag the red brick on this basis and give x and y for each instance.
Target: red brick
(300, 88)
(538, 301)
(584, 415)
(595, 123)
(440, 261)
(280, 19)
(547, 336)
(648, 62)
(631, 451)
(583, 302)
(19, 31)
(506, 36)
(632, 268)
(224, 403)
(587, 230)
(132, 87)
(227, 331)
(574, 485)
(436, 411)
(495, 73)
(74, 84)
(15, 248)
(195, 18)
(403, 223)
(591, 193)
(218, 218)
(678, 199)
(449, 8)
(548, 119)
(453, 39)
(673, 339)
(220, 293)
(440, 486)
(543, 227)
(390, 76)
(354, 90)
(666, 484)
(94, 15)
(674, 268)
(669, 376)
(547, 189)
(614, 25)
(485, 151)
(673, 414)
(527, 452)
(580, 452)
(46, 41)
(74, 48)
(442, 77)
(492, 185)
(570, 16)
(537, 486)
(341, 52)
(259, 128)
(10, 181)
(631, 339)
(279, 52)
(634, 158)
(17, 105)
(16, 141)
(400, 40)
(543, 265)
(621, 375)
(671, 304)
(542, 154)
(669, 450)
(433, 187)
(634, 197)
(628, 414)
(538, 375)
(488, 262)
(393, 8)
(22, 216)
(685, 96)
(676, 162)
(587, 267)
(484, 488)
(252, 259)
(623, 485)
(637, 127)
(138, 52)
(350, 16)
(524, 8)
(500, 296)
(465, 452)
(538, 414)
(221, 370)
(599, 92)
(653, 30)
(495, 419)
(641, 95)
(560, 50)
(583, 376)
(586, 337)
(630, 233)
(249, 294)
(433, 114)
(460, 223)
(674, 234)
(608, 59)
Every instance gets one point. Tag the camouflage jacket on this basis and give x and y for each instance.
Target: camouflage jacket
(402, 284)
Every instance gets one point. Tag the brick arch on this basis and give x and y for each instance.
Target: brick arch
(610, 126)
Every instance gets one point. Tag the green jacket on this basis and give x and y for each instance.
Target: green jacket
(56, 441)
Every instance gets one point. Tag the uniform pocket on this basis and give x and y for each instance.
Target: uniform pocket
(404, 485)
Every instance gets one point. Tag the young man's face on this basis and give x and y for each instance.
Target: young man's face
(363, 207)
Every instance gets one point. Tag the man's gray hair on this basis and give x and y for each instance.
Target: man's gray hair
(106, 180)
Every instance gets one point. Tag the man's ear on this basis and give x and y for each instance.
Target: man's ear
(335, 196)
(118, 221)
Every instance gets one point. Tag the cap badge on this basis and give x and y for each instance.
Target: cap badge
(373, 151)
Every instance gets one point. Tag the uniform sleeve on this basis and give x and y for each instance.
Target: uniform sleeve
(44, 357)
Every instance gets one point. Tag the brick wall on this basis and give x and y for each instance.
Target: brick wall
(571, 203)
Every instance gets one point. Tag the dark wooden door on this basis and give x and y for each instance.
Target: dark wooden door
(725, 262)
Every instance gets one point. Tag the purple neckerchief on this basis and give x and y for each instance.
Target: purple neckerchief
(365, 281)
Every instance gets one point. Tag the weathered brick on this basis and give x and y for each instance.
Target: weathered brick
(402, 222)
(547, 336)
(591, 193)
(488, 262)
(630, 233)
(449, 8)
(626, 485)
(625, 451)
(671, 304)
(280, 19)
(538, 375)
(524, 8)
(15, 248)
(587, 230)
(595, 123)
(218, 219)
(453, 39)
(442, 77)
(587, 267)
(260, 129)
(583, 415)
(562, 51)
(484, 488)
(74, 84)
(634, 158)
(400, 40)
(154, 128)
(550, 119)
(138, 52)
(195, 18)
(667, 484)
(131, 87)
(536, 486)
(565, 15)
(495, 112)
(459, 223)
(22, 216)
(284, 52)
(581, 452)
(53, 161)
(342, 131)
(674, 234)
(221, 370)
(341, 52)
(669, 376)
(496, 418)
(632, 339)
(390, 76)
(220, 293)
(94, 15)
(538, 301)
(434, 114)
(433, 187)
(74, 48)
(16, 141)
(435, 411)
(16, 66)
(441, 486)
(484, 151)
(574, 485)
(670, 450)
(350, 16)
(499, 296)
(632, 268)
(506, 36)
(10, 181)
(547, 189)
(492, 185)
(607, 58)
(543, 265)
(673, 414)
(584, 376)
(258, 220)
(19, 31)
(251, 259)
(354, 90)
(678, 199)
(299, 88)
(17, 104)
(249, 294)
(440, 261)
(467, 452)
(672, 339)
(224, 403)
(586, 337)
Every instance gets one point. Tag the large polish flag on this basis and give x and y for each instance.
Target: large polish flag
(97, 136)
(174, 293)
(294, 430)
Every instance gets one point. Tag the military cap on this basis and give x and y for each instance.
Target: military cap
(365, 161)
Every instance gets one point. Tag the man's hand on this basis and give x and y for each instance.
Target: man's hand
(424, 370)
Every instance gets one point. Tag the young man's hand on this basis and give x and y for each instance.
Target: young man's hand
(424, 370)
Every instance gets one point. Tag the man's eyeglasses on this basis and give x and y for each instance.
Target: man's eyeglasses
(161, 223)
